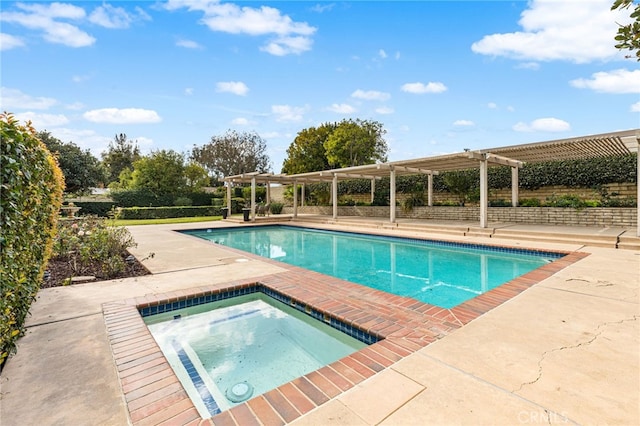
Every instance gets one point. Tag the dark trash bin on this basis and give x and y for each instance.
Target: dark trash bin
(246, 212)
(225, 212)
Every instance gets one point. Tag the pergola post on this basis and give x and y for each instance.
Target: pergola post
(373, 190)
(638, 186)
(483, 193)
(334, 195)
(430, 189)
(302, 195)
(514, 187)
(268, 200)
(392, 195)
(229, 198)
(295, 199)
(253, 198)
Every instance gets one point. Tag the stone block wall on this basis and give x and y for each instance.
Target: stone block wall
(596, 216)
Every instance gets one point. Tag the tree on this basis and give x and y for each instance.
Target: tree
(354, 143)
(121, 154)
(196, 177)
(628, 36)
(233, 153)
(162, 173)
(81, 169)
(306, 153)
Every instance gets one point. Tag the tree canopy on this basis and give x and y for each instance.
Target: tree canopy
(628, 36)
(336, 145)
(307, 152)
(162, 173)
(120, 155)
(233, 153)
(354, 143)
(82, 171)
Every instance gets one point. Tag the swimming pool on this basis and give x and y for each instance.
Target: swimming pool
(439, 273)
(230, 350)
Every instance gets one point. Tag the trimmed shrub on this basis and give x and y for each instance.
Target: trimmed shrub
(94, 208)
(30, 200)
(276, 208)
(167, 212)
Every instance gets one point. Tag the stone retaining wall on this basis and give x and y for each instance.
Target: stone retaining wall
(596, 216)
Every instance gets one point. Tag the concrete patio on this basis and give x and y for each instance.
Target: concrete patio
(566, 350)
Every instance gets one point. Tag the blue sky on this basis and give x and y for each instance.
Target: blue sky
(441, 76)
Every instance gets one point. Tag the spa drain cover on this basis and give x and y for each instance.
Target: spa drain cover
(239, 392)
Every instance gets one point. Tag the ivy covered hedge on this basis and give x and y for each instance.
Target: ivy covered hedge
(30, 199)
(167, 212)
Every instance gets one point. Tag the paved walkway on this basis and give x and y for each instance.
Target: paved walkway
(566, 350)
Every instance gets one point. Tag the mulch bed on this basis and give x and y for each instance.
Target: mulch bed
(59, 270)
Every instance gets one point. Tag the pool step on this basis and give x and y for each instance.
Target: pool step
(629, 241)
(609, 241)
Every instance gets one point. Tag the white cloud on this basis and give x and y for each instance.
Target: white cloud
(7, 42)
(534, 66)
(573, 31)
(635, 107)
(85, 139)
(235, 87)
(13, 99)
(397, 55)
(370, 95)
(42, 121)
(320, 8)
(188, 44)
(122, 116)
(492, 105)
(110, 17)
(76, 106)
(382, 53)
(287, 36)
(342, 108)
(385, 110)
(420, 88)
(46, 18)
(288, 113)
(282, 46)
(240, 121)
(188, 91)
(543, 125)
(616, 81)
(463, 123)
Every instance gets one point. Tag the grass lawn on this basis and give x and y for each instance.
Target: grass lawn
(132, 222)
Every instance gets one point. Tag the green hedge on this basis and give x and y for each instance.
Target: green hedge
(30, 199)
(168, 212)
(146, 198)
(94, 208)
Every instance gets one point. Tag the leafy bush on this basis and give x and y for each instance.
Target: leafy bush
(94, 208)
(182, 201)
(565, 201)
(276, 208)
(84, 242)
(30, 199)
(499, 203)
(529, 202)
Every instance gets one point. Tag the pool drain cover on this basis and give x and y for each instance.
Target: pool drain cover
(239, 392)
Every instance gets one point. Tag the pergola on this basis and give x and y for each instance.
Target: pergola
(601, 145)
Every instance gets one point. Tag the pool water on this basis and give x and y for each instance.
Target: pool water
(439, 273)
(229, 351)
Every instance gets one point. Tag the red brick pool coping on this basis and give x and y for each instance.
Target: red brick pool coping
(154, 395)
